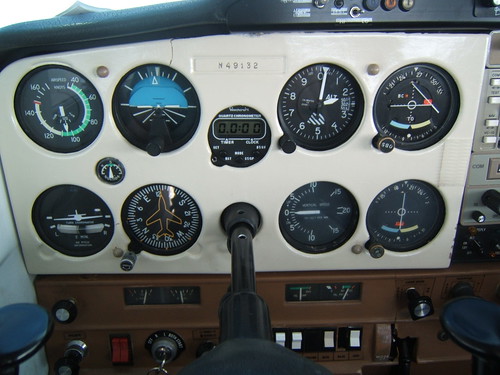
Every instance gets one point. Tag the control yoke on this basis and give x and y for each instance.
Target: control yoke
(245, 339)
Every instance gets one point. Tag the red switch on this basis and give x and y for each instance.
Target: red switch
(120, 351)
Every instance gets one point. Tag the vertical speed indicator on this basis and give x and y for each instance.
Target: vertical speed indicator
(161, 219)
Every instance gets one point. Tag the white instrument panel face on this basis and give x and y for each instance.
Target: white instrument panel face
(250, 71)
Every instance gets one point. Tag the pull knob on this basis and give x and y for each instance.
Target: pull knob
(419, 306)
(491, 199)
(65, 311)
(128, 261)
(76, 350)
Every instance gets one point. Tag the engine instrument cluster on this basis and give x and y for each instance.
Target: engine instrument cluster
(351, 158)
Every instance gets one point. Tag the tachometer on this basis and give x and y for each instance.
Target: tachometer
(318, 217)
(405, 215)
(320, 107)
(161, 219)
(156, 108)
(58, 109)
(416, 106)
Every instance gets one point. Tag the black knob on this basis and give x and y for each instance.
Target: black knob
(66, 366)
(375, 249)
(491, 3)
(64, 311)
(462, 289)
(383, 143)
(419, 306)
(491, 199)
(287, 145)
(478, 216)
(76, 350)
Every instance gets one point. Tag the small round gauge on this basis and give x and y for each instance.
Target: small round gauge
(405, 215)
(161, 219)
(110, 170)
(58, 109)
(73, 220)
(156, 108)
(320, 107)
(318, 217)
(416, 106)
(239, 136)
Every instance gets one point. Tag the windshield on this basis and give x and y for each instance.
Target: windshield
(29, 10)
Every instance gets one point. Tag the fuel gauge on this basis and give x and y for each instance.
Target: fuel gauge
(162, 295)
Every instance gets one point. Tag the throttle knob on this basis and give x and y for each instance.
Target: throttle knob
(419, 306)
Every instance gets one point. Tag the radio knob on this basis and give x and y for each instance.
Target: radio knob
(491, 199)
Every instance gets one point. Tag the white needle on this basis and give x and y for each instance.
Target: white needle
(426, 100)
(323, 82)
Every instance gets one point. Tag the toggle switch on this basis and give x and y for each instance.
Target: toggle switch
(296, 340)
(329, 339)
(121, 353)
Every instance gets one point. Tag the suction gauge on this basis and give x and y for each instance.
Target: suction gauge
(318, 217)
(239, 136)
(405, 215)
(320, 107)
(416, 106)
(156, 108)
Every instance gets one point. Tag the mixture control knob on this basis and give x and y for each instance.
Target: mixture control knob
(164, 346)
(419, 306)
(491, 199)
(64, 311)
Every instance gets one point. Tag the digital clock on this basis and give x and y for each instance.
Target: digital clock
(239, 128)
(239, 136)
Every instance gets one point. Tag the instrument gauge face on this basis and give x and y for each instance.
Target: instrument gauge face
(320, 107)
(416, 106)
(161, 219)
(318, 217)
(73, 220)
(58, 109)
(156, 108)
(405, 215)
